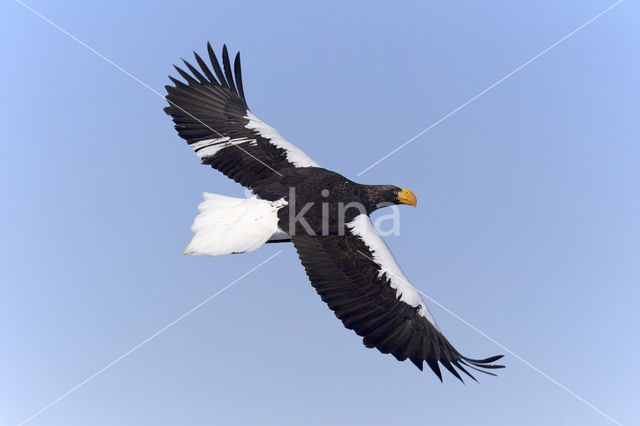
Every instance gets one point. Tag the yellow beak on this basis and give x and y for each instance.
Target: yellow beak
(407, 197)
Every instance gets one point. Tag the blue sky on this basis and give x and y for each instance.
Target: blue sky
(527, 224)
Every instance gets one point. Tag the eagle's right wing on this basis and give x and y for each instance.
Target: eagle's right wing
(357, 276)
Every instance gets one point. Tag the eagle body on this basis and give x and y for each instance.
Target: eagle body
(329, 200)
(322, 213)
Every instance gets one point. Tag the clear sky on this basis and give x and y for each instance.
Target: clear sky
(527, 223)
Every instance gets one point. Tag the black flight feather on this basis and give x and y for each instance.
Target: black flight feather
(196, 73)
(238, 72)
(216, 66)
(205, 69)
(227, 68)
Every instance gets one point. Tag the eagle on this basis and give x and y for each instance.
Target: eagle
(322, 213)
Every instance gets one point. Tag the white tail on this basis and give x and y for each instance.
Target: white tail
(233, 225)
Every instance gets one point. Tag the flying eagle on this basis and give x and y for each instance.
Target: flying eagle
(324, 215)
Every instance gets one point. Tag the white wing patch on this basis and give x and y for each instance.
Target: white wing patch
(210, 147)
(295, 155)
(362, 227)
(228, 225)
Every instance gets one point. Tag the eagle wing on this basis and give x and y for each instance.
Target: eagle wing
(358, 277)
(210, 112)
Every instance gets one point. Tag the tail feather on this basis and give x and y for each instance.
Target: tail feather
(233, 225)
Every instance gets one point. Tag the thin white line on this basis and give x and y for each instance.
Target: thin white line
(502, 346)
(489, 88)
(147, 340)
(109, 61)
(542, 373)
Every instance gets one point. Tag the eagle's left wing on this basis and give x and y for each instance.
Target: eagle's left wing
(210, 112)
(358, 277)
